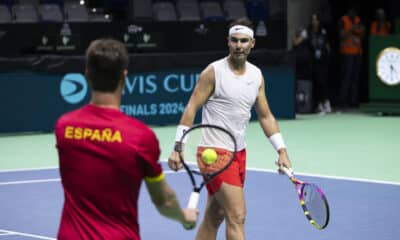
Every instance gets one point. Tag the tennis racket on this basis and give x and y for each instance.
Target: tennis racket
(312, 200)
(193, 143)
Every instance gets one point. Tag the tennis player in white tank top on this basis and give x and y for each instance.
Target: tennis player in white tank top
(227, 89)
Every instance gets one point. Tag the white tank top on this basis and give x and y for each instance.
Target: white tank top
(231, 103)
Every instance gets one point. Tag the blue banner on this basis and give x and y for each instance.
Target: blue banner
(33, 101)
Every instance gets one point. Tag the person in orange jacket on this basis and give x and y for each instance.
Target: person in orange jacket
(351, 32)
(380, 26)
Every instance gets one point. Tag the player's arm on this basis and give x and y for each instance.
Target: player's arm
(164, 198)
(299, 37)
(203, 90)
(270, 127)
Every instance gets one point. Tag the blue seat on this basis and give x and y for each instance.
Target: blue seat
(256, 10)
(60, 3)
(188, 10)
(211, 11)
(9, 3)
(142, 10)
(35, 3)
(164, 11)
(5, 15)
(24, 13)
(50, 12)
(234, 9)
(75, 12)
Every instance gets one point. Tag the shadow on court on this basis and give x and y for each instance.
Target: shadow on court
(31, 204)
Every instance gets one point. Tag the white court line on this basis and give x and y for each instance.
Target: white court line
(30, 181)
(52, 180)
(27, 169)
(27, 235)
(331, 177)
(366, 180)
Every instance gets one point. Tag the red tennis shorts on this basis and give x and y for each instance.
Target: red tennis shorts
(234, 175)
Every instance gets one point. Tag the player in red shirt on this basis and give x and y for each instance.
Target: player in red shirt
(104, 155)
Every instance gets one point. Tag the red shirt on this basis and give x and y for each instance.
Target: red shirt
(103, 157)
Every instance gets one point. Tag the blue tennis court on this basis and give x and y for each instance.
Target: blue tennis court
(31, 202)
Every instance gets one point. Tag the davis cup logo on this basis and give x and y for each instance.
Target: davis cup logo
(73, 88)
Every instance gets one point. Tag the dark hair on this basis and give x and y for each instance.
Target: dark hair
(106, 60)
(318, 16)
(242, 21)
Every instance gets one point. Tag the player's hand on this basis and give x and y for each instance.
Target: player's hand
(283, 161)
(174, 162)
(189, 218)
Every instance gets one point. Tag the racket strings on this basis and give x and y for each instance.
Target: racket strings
(223, 159)
(199, 138)
(315, 205)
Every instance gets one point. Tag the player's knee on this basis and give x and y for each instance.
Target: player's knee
(237, 218)
(217, 217)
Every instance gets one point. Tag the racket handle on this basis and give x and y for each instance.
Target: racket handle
(193, 200)
(288, 171)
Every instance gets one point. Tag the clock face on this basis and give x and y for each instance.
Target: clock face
(388, 66)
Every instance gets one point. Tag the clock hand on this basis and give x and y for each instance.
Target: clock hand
(393, 69)
(396, 74)
(391, 72)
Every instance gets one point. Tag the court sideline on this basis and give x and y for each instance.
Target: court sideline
(345, 147)
(351, 145)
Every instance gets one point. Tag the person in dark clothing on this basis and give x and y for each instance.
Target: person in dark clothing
(320, 48)
(313, 43)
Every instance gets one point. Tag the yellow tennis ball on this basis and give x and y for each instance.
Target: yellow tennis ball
(209, 156)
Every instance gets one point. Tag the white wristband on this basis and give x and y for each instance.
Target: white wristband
(180, 130)
(277, 141)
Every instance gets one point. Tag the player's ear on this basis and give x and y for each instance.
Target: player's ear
(253, 42)
(123, 77)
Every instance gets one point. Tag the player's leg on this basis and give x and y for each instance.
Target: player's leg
(231, 198)
(226, 194)
(213, 217)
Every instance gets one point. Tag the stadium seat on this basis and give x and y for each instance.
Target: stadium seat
(188, 10)
(164, 11)
(142, 10)
(75, 12)
(9, 3)
(256, 10)
(60, 3)
(5, 15)
(24, 13)
(99, 17)
(211, 11)
(69, 2)
(115, 4)
(50, 13)
(234, 9)
(24, 2)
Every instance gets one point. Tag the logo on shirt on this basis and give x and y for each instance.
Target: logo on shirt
(93, 134)
(73, 88)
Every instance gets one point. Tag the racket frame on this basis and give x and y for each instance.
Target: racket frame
(300, 185)
(207, 177)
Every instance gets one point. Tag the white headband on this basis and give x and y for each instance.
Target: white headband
(241, 29)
